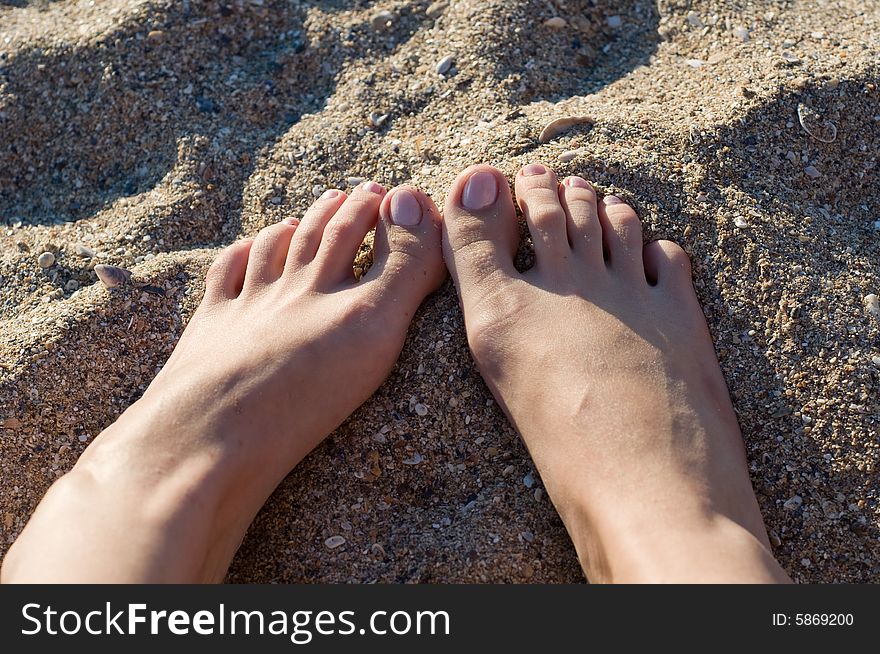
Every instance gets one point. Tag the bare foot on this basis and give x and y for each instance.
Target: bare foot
(284, 346)
(601, 358)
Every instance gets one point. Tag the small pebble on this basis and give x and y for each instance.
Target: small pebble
(793, 503)
(872, 304)
(811, 171)
(614, 22)
(436, 8)
(318, 190)
(877, 225)
(46, 260)
(83, 438)
(354, 181)
(790, 58)
(444, 64)
(875, 360)
(71, 285)
(556, 23)
(334, 541)
(694, 20)
(421, 409)
(528, 480)
(377, 119)
(414, 460)
(742, 33)
(381, 20)
(568, 155)
(83, 251)
(740, 222)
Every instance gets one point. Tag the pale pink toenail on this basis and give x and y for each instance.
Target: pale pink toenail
(373, 187)
(405, 209)
(480, 191)
(578, 182)
(612, 199)
(533, 169)
(329, 193)
(291, 221)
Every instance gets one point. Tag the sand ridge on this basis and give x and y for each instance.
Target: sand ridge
(156, 132)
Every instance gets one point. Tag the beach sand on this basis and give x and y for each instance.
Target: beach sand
(150, 134)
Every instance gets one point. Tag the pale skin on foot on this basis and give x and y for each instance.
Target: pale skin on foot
(618, 395)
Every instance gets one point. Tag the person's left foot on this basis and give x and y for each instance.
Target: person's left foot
(285, 345)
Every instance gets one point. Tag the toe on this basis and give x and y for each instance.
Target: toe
(622, 236)
(578, 198)
(345, 232)
(268, 254)
(537, 193)
(667, 265)
(407, 258)
(225, 277)
(311, 228)
(480, 233)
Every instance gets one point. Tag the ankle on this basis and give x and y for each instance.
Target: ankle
(681, 546)
(145, 474)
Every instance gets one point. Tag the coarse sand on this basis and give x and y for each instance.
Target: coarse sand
(148, 134)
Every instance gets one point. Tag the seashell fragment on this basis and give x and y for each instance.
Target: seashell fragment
(556, 23)
(377, 119)
(570, 155)
(111, 276)
(560, 125)
(334, 541)
(872, 304)
(812, 124)
(444, 65)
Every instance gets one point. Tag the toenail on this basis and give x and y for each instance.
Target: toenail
(373, 187)
(578, 182)
(291, 221)
(480, 190)
(405, 209)
(612, 199)
(533, 169)
(329, 193)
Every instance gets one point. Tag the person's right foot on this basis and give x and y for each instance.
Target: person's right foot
(601, 358)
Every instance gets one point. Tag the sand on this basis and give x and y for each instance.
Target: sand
(154, 133)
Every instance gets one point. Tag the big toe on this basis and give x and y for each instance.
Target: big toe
(407, 259)
(480, 233)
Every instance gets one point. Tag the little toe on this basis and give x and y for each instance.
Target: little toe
(622, 236)
(225, 277)
(537, 193)
(667, 265)
(311, 228)
(268, 255)
(407, 258)
(345, 231)
(480, 233)
(578, 198)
